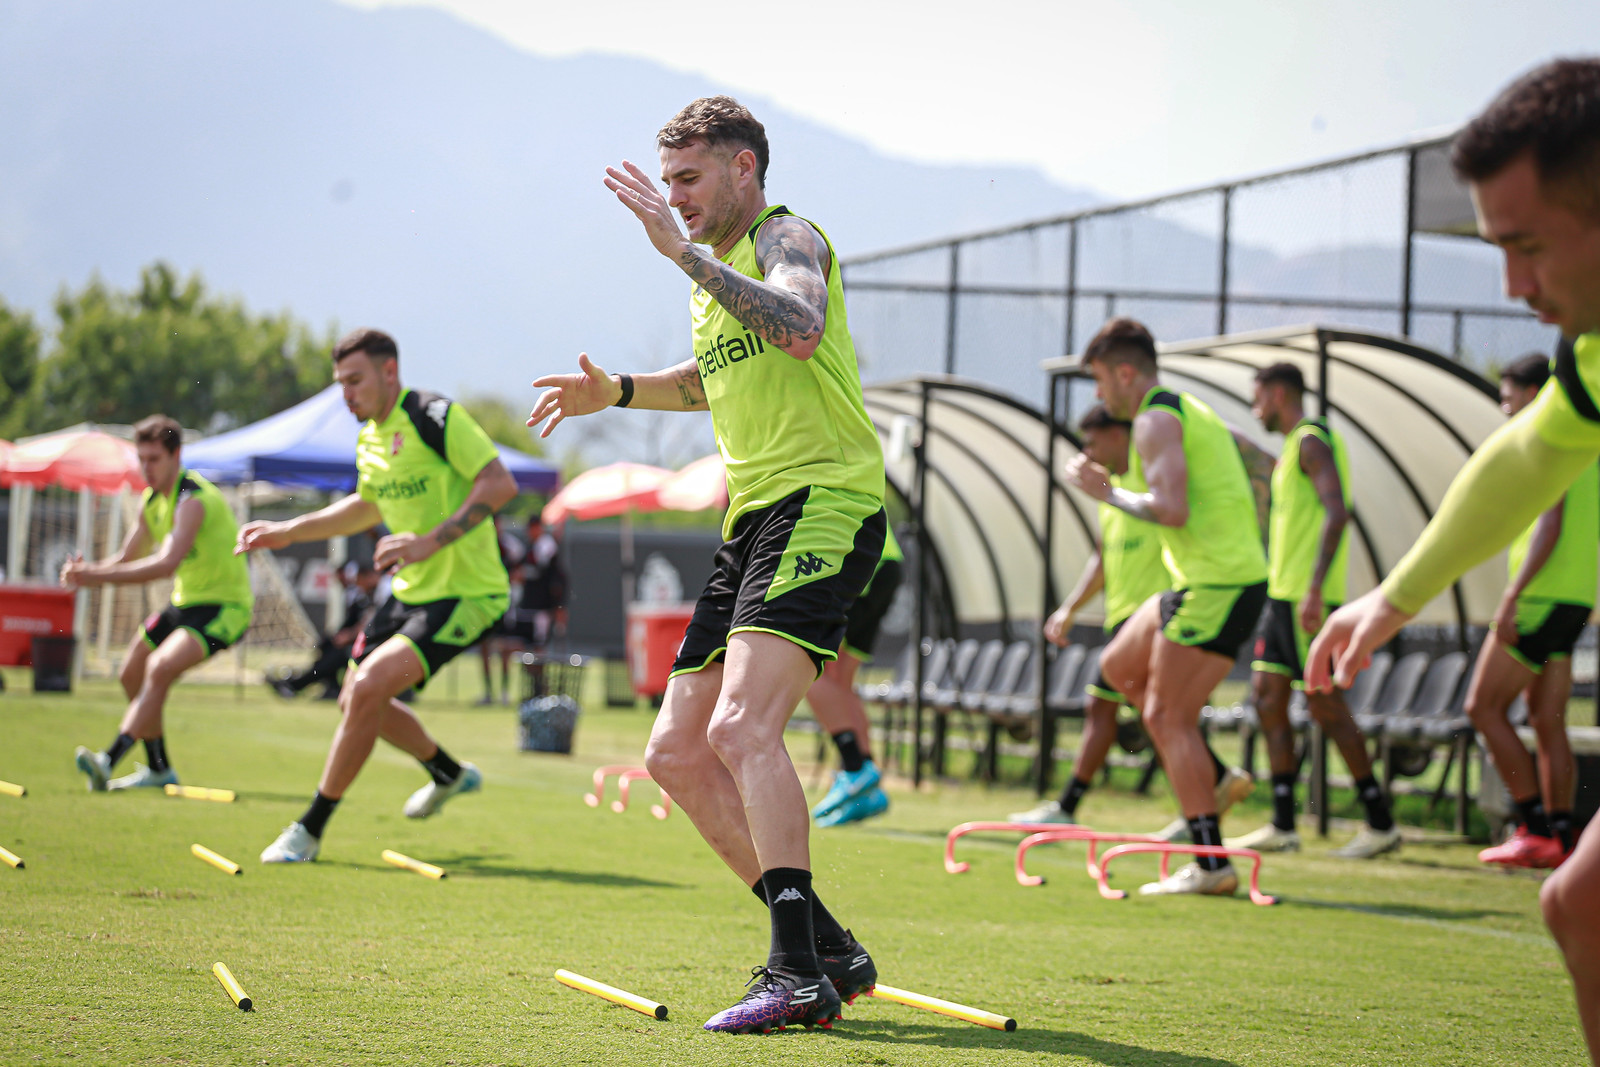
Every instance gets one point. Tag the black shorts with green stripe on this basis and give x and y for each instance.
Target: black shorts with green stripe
(1282, 643)
(437, 630)
(215, 626)
(866, 614)
(1547, 630)
(793, 569)
(1213, 618)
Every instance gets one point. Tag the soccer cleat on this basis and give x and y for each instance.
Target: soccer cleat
(294, 845)
(1523, 849)
(1369, 843)
(431, 797)
(1233, 787)
(873, 802)
(1267, 839)
(282, 687)
(1049, 813)
(847, 785)
(144, 778)
(96, 766)
(1175, 832)
(851, 970)
(1192, 878)
(778, 999)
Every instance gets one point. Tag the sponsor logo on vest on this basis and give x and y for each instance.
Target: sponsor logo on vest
(724, 351)
(809, 564)
(401, 490)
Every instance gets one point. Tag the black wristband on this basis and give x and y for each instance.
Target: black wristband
(626, 381)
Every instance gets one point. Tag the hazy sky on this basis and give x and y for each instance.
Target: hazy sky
(1130, 99)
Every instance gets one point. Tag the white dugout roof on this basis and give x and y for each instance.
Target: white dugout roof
(1409, 417)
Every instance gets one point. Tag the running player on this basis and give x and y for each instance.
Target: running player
(856, 793)
(1532, 161)
(1185, 474)
(432, 476)
(1127, 566)
(1529, 650)
(774, 362)
(185, 531)
(1307, 560)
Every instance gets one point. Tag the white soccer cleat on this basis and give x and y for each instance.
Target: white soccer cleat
(144, 778)
(95, 766)
(1233, 787)
(431, 797)
(1192, 878)
(1369, 843)
(294, 845)
(1047, 814)
(1175, 832)
(1267, 839)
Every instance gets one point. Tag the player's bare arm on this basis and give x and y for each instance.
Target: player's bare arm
(1316, 460)
(134, 545)
(591, 389)
(1090, 582)
(1258, 465)
(132, 565)
(350, 515)
(492, 489)
(787, 307)
(1159, 438)
(1541, 546)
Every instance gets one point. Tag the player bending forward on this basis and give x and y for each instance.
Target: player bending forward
(432, 476)
(774, 362)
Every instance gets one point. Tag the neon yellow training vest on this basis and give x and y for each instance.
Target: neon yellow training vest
(1569, 575)
(210, 573)
(1130, 554)
(1295, 528)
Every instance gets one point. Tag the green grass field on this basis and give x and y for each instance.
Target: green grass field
(109, 934)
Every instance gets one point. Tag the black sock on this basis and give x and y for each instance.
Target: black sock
(1561, 827)
(444, 769)
(315, 820)
(1206, 830)
(155, 749)
(1531, 813)
(1283, 800)
(850, 754)
(119, 748)
(1379, 817)
(830, 936)
(1217, 765)
(794, 943)
(760, 891)
(1073, 793)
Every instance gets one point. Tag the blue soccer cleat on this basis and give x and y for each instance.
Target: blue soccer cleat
(778, 999)
(431, 797)
(846, 786)
(873, 802)
(144, 778)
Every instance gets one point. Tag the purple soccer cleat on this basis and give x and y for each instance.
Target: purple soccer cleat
(850, 970)
(776, 1000)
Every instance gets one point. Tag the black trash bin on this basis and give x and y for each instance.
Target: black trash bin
(52, 664)
(549, 712)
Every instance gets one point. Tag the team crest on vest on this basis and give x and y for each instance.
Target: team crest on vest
(399, 439)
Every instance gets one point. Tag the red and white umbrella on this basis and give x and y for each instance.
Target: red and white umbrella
(86, 459)
(702, 484)
(614, 489)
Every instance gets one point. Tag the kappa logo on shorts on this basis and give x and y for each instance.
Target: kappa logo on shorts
(789, 894)
(808, 564)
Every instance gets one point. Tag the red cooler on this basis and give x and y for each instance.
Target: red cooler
(29, 611)
(654, 633)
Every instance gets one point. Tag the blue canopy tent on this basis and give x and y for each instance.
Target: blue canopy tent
(313, 445)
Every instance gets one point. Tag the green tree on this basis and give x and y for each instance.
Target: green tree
(19, 364)
(169, 346)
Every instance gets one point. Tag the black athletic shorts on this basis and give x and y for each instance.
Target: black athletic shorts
(866, 614)
(792, 569)
(438, 630)
(215, 626)
(1546, 630)
(1217, 619)
(1100, 687)
(1282, 643)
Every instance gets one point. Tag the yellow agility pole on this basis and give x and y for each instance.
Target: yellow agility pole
(11, 859)
(613, 994)
(231, 984)
(12, 789)
(944, 1007)
(221, 863)
(200, 792)
(427, 870)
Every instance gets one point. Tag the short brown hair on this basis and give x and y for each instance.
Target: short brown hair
(1552, 112)
(159, 429)
(1530, 371)
(718, 121)
(1123, 340)
(1099, 417)
(1284, 374)
(375, 343)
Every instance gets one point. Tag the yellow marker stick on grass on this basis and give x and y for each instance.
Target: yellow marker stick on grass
(12, 789)
(200, 792)
(613, 994)
(427, 870)
(11, 859)
(944, 1007)
(221, 863)
(231, 984)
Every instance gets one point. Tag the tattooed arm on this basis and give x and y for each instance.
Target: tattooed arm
(492, 490)
(591, 389)
(788, 306)
(1159, 438)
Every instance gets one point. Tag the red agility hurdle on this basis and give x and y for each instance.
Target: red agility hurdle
(1094, 838)
(1256, 895)
(628, 777)
(594, 798)
(950, 864)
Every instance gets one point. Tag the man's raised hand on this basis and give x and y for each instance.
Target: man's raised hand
(566, 395)
(260, 534)
(640, 196)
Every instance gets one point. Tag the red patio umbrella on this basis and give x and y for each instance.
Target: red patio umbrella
(80, 459)
(614, 489)
(702, 484)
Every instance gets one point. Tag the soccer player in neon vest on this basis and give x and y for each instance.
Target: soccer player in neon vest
(430, 474)
(185, 531)
(1532, 162)
(774, 362)
(1185, 475)
(1307, 565)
